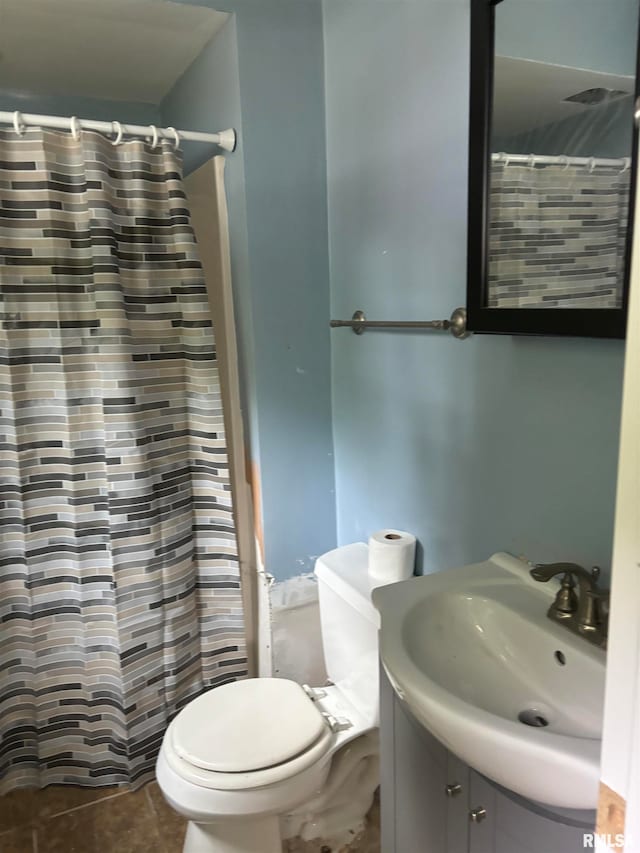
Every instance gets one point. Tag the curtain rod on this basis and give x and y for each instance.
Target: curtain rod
(623, 163)
(226, 139)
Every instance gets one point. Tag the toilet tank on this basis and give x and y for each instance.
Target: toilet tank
(348, 619)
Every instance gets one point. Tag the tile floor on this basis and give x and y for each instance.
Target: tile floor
(65, 819)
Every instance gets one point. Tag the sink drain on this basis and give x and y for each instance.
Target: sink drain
(531, 717)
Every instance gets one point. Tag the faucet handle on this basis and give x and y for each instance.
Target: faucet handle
(566, 601)
(591, 613)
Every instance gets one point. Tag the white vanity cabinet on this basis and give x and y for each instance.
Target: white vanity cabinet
(434, 803)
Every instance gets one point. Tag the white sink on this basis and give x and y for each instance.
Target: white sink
(469, 650)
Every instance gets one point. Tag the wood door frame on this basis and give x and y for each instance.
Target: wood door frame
(620, 773)
(210, 221)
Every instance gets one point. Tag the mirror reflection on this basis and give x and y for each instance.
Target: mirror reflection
(561, 144)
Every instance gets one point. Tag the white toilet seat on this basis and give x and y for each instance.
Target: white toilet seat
(225, 728)
(247, 726)
(251, 779)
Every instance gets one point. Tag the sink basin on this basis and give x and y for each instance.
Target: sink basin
(478, 663)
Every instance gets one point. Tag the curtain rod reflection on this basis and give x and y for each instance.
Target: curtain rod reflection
(532, 160)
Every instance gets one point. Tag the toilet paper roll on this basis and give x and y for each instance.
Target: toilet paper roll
(392, 555)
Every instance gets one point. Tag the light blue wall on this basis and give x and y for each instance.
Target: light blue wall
(280, 253)
(69, 105)
(604, 131)
(207, 98)
(595, 34)
(487, 444)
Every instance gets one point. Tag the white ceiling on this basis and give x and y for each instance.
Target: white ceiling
(123, 50)
(530, 94)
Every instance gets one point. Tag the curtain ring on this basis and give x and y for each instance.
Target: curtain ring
(532, 161)
(626, 164)
(18, 124)
(154, 137)
(564, 159)
(591, 164)
(117, 129)
(176, 137)
(74, 127)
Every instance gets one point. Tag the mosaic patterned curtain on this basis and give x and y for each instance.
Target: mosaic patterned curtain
(120, 595)
(557, 236)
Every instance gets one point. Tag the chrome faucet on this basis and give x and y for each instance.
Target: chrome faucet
(583, 614)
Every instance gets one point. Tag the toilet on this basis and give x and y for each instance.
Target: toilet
(254, 762)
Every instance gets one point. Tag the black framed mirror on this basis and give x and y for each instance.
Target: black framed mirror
(552, 165)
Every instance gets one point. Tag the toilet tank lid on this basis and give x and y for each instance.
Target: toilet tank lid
(345, 570)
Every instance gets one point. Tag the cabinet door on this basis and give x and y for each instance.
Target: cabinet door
(413, 781)
(421, 780)
(511, 827)
(457, 805)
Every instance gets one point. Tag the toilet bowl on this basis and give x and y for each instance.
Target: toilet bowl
(256, 761)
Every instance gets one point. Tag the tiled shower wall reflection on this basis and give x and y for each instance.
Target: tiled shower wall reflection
(557, 235)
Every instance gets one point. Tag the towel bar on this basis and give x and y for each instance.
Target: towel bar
(456, 324)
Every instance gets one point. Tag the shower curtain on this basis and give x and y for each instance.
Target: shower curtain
(557, 235)
(120, 595)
